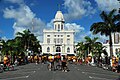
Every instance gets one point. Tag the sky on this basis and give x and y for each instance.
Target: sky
(36, 15)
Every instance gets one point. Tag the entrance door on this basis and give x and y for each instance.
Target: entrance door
(58, 49)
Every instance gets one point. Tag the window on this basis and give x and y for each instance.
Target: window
(54, 40)
(48, 49)
(68, 50)
(54, 35)
(61, 27)
(68, 41)
(61, 35)
(58, 40)
(116, 38)
(48, 35)
(68, 35)
(58, 27)
(61, 40)
(48, 40)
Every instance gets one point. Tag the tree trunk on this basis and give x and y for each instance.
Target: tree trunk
(111, 46)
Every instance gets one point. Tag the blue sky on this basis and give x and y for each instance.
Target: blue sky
(17, 15)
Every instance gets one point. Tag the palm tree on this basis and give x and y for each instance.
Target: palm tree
(81, 49)
(5, 48)
(24, 37)
(28, 40)
(98, 49)
(19, 47)
(107, 27)
(12, 49)
(90, 43)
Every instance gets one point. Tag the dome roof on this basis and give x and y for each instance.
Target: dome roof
(59, 16)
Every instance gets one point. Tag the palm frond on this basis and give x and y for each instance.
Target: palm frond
(111, 13)
(99, 27)
(104, 16)
(116, 18)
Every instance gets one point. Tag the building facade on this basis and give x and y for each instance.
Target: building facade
(58, 40)
(115, 42)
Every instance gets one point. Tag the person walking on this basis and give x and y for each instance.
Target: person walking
(36, 58)
(51, 62)
(64, 64)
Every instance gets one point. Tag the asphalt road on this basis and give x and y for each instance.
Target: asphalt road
(40, 72)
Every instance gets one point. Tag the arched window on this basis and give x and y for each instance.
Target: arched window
(61, 27)
(48, 49)
(55, 26)
(58, 27)
(68, 50)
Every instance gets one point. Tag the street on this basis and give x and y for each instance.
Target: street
(40, 72)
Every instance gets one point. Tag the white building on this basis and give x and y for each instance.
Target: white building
(116, 44)
(58, 40)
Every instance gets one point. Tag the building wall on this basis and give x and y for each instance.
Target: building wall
(54, 35)
(116, 44)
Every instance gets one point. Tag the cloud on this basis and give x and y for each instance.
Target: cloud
(25, 19)
(15, 1)
(78, 8)
(80, 36)
(107, 5)
(79, 30)
(4, 38)
(74, 26)
(102, 38)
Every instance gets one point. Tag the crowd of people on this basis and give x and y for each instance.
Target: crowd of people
(116, 64)
(55, 62)
(60, 62)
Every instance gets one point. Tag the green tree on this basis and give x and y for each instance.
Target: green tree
(89, 42)
(98, 49)
(4, 47)
(28, 40)
(89, 46)
(107, 27)
(24, 37)
(23, 41)
(80, 49)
